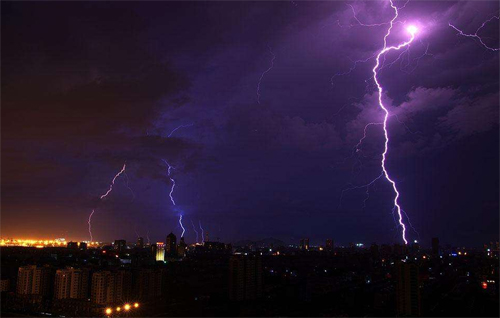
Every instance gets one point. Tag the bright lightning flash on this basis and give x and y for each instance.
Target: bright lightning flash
(169, 172)
(182, 226)
(412, 30)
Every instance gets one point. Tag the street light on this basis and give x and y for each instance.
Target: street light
(127, 307)
(136, 305)
(108, 311)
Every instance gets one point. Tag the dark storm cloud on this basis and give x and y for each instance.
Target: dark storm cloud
(89, 86)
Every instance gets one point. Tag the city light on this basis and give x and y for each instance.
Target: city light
(118, 309)
(108, 311)
(59, 242)
(136, 305)
(127, 307)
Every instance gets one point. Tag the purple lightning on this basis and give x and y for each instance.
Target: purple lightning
(412, 30)
(113, 182)
(177, 128)
(265, 72)
(202, 233)
(182, 226)
(169, 171)
(104, 196)
(194, 229)
(90, 225)
(476, 35)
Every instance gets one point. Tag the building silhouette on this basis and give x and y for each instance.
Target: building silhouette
(82, 246)
(111, 287)
(181, 249)
(245, 277)
(304, 244)
(407, 290)
(120, 245)
(73, 245)
(148, 283)
(171, 247)
(140, 242)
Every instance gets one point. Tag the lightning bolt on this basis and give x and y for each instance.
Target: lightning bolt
(113, 181)
(169, 172)
(182, 226)
(128, 186)
(475, 35)
(265, 72)
(412, 30)
(194, 229)
(90, 225)
(104, 196)
(177, 128)
(202, 233)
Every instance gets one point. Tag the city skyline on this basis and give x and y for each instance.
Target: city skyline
(251, 120)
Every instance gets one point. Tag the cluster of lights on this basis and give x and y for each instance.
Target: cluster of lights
(39, 243)
(125, 307)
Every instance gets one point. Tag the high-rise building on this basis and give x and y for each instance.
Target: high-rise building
(148, 283)
(140, 242)
(111, 287)
(120, 245)
(408, 290)
(245, 277)
(435, 246)
(71, 283)
(33, 280)
(171, 248)
(73, 245)
(181, 249)
(304, 244)
(4, 285)
(329, 245)
(82, 246)
(160, 251)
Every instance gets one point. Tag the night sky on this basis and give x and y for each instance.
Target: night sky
(89, 86)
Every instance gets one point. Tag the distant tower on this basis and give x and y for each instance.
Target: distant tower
(171, 247)
(408, 290)
(160, 251)
(140, 242)
(304, 244)
(120, 245)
